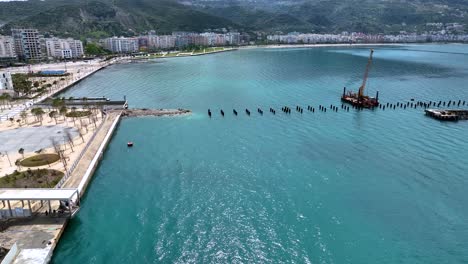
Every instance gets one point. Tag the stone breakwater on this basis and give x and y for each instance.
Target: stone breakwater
(154, 112)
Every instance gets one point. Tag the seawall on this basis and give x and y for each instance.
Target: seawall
(97, 157)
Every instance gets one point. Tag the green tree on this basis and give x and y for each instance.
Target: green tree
(36, 84)
(53, 115)
(38, 113)
(21, 83)
(24, 116)
(95, 50)
(21, 151)
(57, 103)
(2, 100)
(7, 97)
(63, 112)
(73, 110)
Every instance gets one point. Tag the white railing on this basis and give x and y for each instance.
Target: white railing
(11, 255)
(69, 172)
(89, 172)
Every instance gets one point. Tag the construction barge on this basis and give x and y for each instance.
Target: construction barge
(447, 115)
(359, 99)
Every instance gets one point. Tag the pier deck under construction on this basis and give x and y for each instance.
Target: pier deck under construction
(447, 115)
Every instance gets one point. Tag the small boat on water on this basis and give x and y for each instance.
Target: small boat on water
(130, 144)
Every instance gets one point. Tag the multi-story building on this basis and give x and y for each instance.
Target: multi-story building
(76, 48)
(27, 44)
(7, 47)
(64, 48)
(121, 45)
(6, 83)
(210, 38)
(233, 38)
(143, 42)
(182, 39)
(161, 42)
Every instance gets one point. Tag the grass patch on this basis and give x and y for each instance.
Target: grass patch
(40, 178)
(172, 54)
(78, 113)
(39, 160)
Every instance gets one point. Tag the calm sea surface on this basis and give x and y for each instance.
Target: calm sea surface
(348, 187)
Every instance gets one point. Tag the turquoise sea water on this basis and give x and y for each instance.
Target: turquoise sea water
(348, 187)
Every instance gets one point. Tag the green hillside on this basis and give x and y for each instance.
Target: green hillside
(99, 18)
(120, 17)
(372, 16)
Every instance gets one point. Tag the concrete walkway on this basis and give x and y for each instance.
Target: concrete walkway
(85, 161)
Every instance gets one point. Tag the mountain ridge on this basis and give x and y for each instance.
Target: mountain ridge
(100, 18)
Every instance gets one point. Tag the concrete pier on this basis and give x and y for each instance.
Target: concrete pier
(154, 112)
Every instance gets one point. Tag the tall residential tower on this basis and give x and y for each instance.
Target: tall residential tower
(27, 44)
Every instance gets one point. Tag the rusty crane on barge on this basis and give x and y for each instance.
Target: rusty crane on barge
(359, 99)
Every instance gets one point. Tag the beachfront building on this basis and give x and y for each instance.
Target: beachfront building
(27, 44)
(6, 83)
(7, 47)
(7, 50)
(233, 38)
(121, 44)
(357, 37)
(64, 48)
(182, 39)
(161, 42)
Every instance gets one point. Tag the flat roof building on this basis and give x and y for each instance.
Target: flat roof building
(27, 44)
(64, 48)
(121, 45)
(6, 83)
(7, 47)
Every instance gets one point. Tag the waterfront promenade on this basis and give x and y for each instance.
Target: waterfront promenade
(92, 152)
(32, 240)
(77, 73)
(37, 237)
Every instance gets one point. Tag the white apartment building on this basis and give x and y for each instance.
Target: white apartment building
(211, 38)
(64, 48)
(121, 45)
(7, 47)
(233, 38)
(161, 42)
(6, 83)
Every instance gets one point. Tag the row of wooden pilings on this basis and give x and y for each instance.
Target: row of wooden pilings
(287, 110)
(399, 105)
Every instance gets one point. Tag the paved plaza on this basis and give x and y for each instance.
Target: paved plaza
(33, 138)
